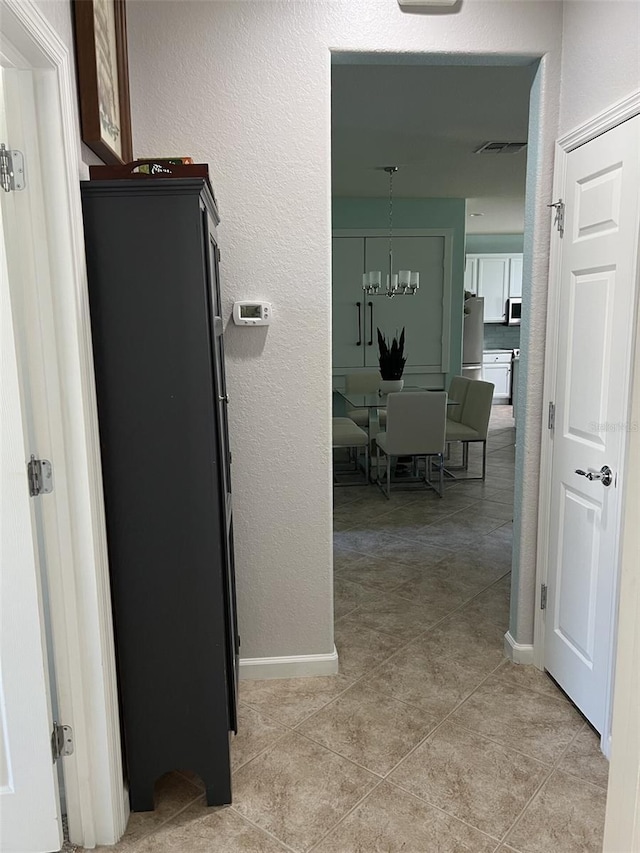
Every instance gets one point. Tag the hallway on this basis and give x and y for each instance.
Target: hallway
(428, 739)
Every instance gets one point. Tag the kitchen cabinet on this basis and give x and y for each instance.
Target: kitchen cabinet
(425, 315)
(496, 368)
(157, 332)
(496, 278)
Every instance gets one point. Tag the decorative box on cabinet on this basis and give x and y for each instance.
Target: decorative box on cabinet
(152, 261)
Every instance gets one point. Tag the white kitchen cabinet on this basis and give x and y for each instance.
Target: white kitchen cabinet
(496, 278)
(425, 316)
(496, 368)
(515, 276)
(471, 274)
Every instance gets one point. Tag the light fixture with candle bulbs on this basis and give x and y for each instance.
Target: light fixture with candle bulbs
(402, 283)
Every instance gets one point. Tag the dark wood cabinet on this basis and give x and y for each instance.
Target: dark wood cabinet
(152, 259)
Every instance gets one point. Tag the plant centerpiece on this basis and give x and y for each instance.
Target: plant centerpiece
(392, 360)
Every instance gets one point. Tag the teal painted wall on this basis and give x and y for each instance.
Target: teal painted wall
(417, 213)
(478, 244)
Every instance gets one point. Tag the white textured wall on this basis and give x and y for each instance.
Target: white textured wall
(245, 87)
(600, 57)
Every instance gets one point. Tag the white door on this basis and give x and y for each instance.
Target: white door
(29, 802)
(596, 307)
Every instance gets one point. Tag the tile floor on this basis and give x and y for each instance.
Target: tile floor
(428, 739)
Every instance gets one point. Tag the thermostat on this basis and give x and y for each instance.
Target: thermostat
(251, 313)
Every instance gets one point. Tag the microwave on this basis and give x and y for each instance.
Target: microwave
(513, 311)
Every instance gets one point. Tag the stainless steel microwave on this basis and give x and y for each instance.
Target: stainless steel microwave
(513, 312)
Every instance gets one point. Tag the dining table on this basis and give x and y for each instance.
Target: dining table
(373, 401)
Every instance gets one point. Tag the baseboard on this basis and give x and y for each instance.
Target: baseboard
(293, 666)
(517, 652)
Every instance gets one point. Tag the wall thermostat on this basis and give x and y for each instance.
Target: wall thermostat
(252, 313)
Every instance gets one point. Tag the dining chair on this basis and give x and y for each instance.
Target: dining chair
(458, 388)
(366, 382)
(473, 423)
(347, 434)
(416, 424)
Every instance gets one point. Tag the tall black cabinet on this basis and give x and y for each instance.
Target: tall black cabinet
(157, 331)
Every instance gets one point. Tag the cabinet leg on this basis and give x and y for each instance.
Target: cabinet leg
(218, 793)
(141, 796)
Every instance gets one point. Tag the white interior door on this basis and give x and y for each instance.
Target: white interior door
(598, 269)
(29, 801)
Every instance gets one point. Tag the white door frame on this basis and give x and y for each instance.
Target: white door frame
(608, 119)
(83, 653)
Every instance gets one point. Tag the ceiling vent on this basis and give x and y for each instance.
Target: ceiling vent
(500, 148)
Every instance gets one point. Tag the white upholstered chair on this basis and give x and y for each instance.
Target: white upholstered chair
(349, 435)
(416, 423)
(469, 422)
(363, 383)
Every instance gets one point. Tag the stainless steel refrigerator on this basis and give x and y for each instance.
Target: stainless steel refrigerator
(473, 338)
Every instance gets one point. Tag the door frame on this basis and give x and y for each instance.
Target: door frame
(82, 632)
(616, 114)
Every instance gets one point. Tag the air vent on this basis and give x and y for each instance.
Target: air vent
(500, 148)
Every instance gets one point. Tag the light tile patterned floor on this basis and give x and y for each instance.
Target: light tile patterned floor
(428, 741)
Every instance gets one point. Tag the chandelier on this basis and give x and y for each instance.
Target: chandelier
(402, 283)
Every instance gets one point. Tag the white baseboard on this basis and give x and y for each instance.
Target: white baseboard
(517, 652)
(293, 666)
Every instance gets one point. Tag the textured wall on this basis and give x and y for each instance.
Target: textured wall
(600, 57)
(246, 87)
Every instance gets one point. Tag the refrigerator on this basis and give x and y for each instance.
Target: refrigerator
(473, 337)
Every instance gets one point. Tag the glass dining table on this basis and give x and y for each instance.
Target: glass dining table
(374, 401)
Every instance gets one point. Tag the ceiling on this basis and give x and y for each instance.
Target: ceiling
(428, 120)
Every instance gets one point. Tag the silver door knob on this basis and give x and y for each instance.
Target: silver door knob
(605, 475)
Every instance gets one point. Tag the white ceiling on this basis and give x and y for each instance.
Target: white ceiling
(428, 120)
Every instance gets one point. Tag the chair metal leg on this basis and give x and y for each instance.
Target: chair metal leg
(388, 492)
(441, 473)
(484, 459)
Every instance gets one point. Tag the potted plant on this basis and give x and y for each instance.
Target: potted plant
(392, 360)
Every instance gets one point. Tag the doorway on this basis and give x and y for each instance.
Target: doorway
(422, 584)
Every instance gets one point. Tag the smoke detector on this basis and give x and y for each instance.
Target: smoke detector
(500, 148)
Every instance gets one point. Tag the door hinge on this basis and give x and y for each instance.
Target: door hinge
(218, 254)
(551, 422)
(11, 169)
(543, 596)
(558, 220)
(61, 741)
(40, 476)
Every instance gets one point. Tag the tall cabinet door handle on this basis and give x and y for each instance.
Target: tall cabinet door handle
(371, 327)
(359, 341)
